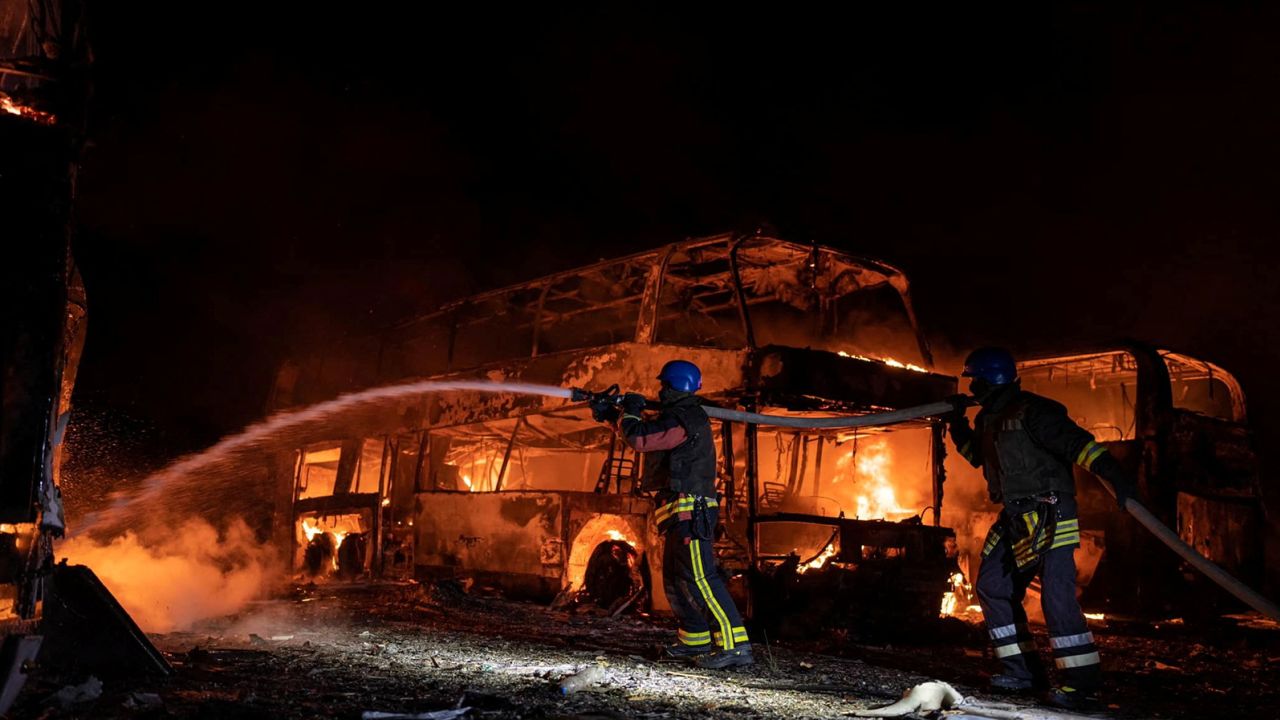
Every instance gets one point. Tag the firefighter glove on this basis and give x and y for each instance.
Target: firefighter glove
(959, 404)
(603, 409)
(633, 404)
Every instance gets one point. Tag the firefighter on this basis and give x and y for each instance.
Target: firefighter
(1026, 445)
(680, 465)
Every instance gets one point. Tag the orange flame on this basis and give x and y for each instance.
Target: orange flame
(615, 535)
(310, 527)
(818, 562)
(8, 105)
(878, 498)
(887, 361)
(951, 598)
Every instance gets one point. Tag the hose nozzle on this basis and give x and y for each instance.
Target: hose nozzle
(611, 394)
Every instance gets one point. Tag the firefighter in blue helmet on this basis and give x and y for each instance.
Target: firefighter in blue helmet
(1026, 445)
(680, 465)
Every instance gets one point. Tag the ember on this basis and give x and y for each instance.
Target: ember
(8, 105)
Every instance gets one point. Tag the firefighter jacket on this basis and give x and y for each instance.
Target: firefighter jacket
(1026, 444)
(680, 456)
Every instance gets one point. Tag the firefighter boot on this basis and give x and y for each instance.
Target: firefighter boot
(680, 651)
(738, 656)
(1011, 684)
(1077, 699)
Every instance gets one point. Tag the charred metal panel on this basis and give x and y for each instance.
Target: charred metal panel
(1211, 456)
(1213, 526)
(518, 533)
(86, 630)
(813, 379)
(885, 577)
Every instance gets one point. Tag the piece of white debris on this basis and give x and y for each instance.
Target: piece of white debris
(923, 698)
(434, 715)
(90, 689)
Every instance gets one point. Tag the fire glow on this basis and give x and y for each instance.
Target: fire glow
(619, 537)
(877, 497)
(818, 562)
(8, 105)
(339, 528)
(887, 361)
(951, 598)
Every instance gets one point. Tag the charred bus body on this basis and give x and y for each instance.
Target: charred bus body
(522, 491)
(1180, 425)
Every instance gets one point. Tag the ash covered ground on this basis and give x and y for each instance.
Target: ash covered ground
(337, 651)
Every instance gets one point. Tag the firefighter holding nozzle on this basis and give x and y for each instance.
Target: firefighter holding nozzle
(680, 465)
(1026, 445)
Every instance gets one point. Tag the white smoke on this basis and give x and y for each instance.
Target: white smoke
(195, 573)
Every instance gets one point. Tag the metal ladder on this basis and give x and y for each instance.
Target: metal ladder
(618, 467)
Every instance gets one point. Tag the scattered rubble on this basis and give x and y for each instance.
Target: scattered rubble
(407, 651)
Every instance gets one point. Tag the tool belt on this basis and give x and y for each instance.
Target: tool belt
(1033, 527)
(683, 507)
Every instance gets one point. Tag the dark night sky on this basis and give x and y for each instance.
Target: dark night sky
(263, 179)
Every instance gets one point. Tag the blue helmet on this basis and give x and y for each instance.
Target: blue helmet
(681, 375)
(995, 365)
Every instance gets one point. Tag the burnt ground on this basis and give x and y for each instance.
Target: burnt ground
(336, 651)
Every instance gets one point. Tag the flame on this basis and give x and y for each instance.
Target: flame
(338, 537)
(818, 562)
(8, 105)
(1095, 616)
(615, 535)
(311, 528)
(878, 499)
(337, 527)
(909, 366)
(8, 529)
(887, 361)
(951, 598)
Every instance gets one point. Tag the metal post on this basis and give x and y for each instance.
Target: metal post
(506, 456)
(753, 485)
(743, 315)
(939, 470)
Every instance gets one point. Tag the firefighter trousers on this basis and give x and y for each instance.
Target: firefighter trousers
(696, 589)
(1001, 588)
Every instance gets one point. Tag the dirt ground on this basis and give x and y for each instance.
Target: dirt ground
(339, 651)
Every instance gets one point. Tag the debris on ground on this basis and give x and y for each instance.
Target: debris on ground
(923, 698)
(410, 649)
(90, 689)
(591, 675)
(434, 715)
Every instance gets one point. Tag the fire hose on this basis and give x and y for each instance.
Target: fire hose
(1243, 592)
(891, 417)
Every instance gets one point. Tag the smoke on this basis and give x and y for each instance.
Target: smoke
(195, 573)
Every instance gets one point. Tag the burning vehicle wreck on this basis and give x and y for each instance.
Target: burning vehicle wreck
(532, 496)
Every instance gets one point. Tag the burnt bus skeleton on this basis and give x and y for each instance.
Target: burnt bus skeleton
(518, 491)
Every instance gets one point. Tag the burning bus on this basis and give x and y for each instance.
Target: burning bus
(530, 495)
